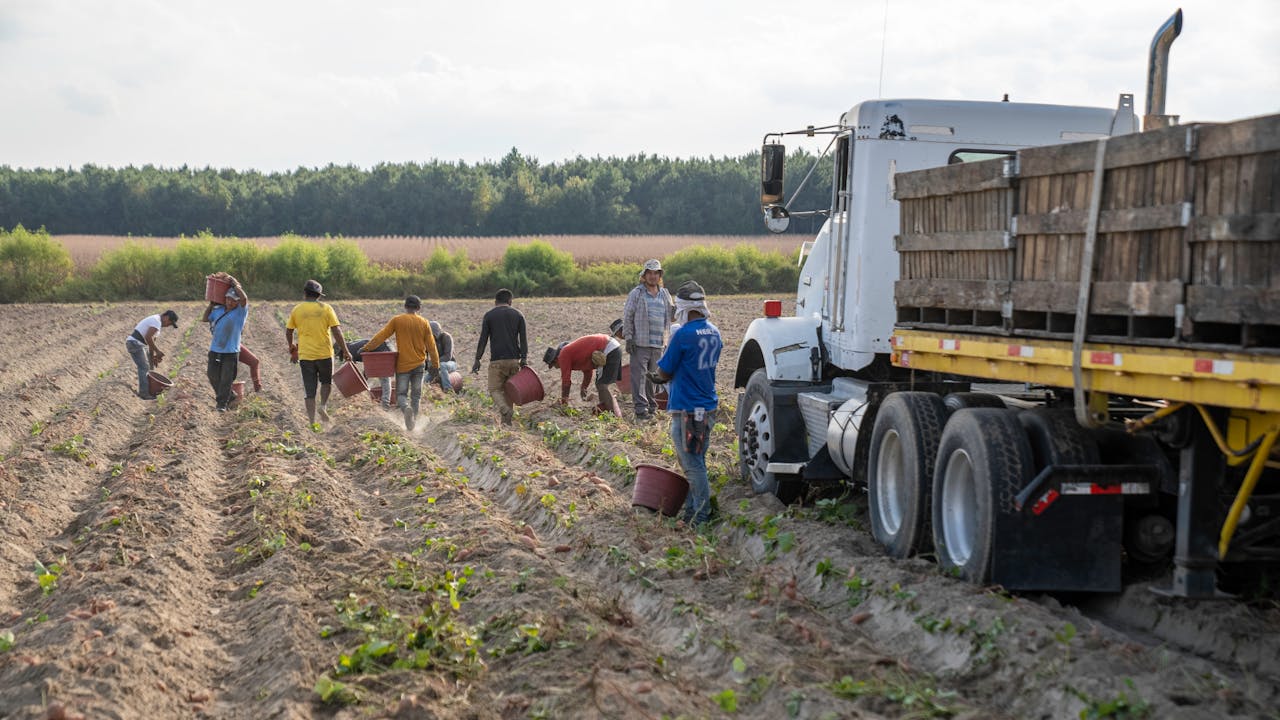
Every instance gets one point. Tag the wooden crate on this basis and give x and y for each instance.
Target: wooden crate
(1187, 246)
(954, 248)
(1233, 295)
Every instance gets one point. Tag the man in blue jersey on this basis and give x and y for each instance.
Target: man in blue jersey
(689, 364)
(226, 322)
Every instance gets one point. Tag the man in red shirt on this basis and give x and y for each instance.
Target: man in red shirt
(599, 355)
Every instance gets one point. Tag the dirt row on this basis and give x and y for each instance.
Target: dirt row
(196, 564)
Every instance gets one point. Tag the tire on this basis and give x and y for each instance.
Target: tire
(1057, 439)
(962, 400)
(768, 431)
(983, 460)
(904, 446)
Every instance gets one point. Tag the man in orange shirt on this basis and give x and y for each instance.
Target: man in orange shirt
(414, 343)
(600, 355)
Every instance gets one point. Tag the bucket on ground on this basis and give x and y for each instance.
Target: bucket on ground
(379, 364)
(659, 489)
(215, 289)
(349, 380)
(524, 387)
(375, 392)
(157, 383)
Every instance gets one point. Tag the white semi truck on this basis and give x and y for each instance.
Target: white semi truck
(1044, 343)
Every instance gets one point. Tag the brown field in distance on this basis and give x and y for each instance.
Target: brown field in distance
(397, 250)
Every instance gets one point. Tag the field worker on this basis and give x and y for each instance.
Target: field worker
(645, 320)
(141, 345)
(592, 355)
(415, 344)
(689, 364)
(318, 330)
(246, 356)
(226, 324)
(504, 331)
(356, 348)
(444, 344)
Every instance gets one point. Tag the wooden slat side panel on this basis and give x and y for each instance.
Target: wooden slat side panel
(1255, 136)
(958, 294)
(1122, 151)
(949, 179)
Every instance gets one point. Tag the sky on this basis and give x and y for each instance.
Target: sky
(274, 85)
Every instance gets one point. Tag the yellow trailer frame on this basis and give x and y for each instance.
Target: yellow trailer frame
(1249, 385)
(1202, 377)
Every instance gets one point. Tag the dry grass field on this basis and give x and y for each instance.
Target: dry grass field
(398, 250)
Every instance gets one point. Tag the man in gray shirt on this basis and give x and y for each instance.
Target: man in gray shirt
(646, 318)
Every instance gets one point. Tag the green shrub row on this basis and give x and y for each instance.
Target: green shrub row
(36, 268)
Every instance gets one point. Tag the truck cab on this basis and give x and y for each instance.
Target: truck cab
(844, 311)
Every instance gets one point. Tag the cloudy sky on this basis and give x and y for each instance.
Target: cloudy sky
(279, 84)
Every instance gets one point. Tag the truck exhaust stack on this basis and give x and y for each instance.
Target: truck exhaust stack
(1158, 74)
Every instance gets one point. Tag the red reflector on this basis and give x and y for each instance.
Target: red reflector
(773, 308)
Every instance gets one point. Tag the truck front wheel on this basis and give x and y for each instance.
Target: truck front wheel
(767, 431)
(984, 459)
(904, 445)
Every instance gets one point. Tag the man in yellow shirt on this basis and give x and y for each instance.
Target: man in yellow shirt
(317, 326)
(414, 342)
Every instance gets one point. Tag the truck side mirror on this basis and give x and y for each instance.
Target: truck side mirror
(772, 158)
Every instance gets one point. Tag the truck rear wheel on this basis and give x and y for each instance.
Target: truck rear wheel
(767, 431)
(983, 460)
(904, 446)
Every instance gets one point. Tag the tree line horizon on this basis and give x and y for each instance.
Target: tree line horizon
(517, 195)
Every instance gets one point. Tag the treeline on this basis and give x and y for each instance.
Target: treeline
(36, 268)
(640, 194)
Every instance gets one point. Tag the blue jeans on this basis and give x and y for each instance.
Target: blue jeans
(697, 504)
(138, 351)
(441, 374)
(409, 394)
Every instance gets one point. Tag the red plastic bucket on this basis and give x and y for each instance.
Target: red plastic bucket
(237, 389)
(376, 393)
(379, 364)
(349, 380)
(660, 398)
(157, 383)
(524, 387)
(215, 289)
(659, 489)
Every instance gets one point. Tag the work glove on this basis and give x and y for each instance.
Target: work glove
(631, 347)
(523, 362)
(475, 368)
(653, 377)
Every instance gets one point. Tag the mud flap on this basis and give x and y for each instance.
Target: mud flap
(1074, 544)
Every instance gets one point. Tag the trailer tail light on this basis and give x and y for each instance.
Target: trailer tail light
(772, 308)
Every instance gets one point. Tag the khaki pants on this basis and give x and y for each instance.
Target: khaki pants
(499, 372)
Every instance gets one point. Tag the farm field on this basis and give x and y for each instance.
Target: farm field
(162, 560)
(403, 250)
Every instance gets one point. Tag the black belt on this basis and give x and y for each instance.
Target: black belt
(138, 336)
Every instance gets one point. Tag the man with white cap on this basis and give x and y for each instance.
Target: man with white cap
(645, 320)
(226, 324)
(689, 364)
